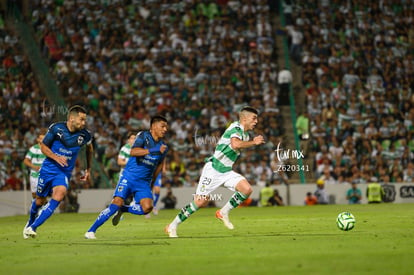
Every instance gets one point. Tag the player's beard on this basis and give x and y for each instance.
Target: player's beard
(78, 126)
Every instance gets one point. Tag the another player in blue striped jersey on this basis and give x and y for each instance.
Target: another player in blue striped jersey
(218, 171)
(61, 146)
(144, 165)
(123, 157)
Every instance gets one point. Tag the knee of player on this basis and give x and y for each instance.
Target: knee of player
(41, 201)
(118, 201)
(244, 187)
(248, 191)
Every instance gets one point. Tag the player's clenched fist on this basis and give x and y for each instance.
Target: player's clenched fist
(258, 140)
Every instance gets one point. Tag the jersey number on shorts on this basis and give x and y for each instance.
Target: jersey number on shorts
(206, 181)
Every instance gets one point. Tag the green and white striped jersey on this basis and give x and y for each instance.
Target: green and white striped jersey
(125, 152)
(36, 157)
(224, 156)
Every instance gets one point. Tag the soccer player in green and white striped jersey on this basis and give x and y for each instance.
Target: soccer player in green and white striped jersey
(33, 160)
(125, 151)
(218, 171)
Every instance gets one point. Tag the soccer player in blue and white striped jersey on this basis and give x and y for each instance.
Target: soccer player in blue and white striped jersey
(144, 165)
(61, 146)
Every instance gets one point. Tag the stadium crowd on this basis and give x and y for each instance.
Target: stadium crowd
(19, 115)
(197, 62)
(357, 60)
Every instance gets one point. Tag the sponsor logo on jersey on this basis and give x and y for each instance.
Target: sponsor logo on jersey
(80, 140)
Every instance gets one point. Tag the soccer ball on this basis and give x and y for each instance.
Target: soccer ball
(345, 221)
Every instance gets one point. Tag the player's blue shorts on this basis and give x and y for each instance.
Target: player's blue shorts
(158, 181)
(48, 180)
(128, 185)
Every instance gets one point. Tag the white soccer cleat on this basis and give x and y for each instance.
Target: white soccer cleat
(90, 235)
(171, 231)
(29, 232)
(116, 218)
(25, 236)
(224, 219)
(155, 211)
(147, 216)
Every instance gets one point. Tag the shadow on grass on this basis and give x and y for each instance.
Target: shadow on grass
(115, 243)
(165, 241)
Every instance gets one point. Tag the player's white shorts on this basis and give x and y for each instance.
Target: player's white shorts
(211, 179)
(33, 183)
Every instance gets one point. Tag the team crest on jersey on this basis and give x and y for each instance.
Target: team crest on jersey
(80, 140)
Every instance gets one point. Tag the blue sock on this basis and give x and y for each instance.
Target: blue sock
(103, 217)
(135, 209)
(46, 213)
(156, 197)
(34, 208)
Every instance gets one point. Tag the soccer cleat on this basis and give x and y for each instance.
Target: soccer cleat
(155, 211)
(25, 236)
(171, 231)
(116, 218)
(148, 216)
(90, 235)
(224, 219)
(29, 232)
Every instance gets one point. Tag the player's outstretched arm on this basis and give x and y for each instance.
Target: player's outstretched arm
(139, 152)
(237, 143)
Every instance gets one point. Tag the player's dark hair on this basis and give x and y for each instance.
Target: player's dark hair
(250, 109)
(130, 133)
(75, 109)
(157, 118)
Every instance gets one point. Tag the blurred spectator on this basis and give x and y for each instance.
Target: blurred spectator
(70, 204)
(375, 192)
(265, 194)
(284, 80)
(354, 194)
(310, 199)
(13, 182)
(169, 200)
(408, 173)
(276, 199)
(320, 193)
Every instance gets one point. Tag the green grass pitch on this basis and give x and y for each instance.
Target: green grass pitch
(281, 240)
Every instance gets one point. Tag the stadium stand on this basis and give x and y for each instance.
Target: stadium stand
(195, 62)
(357, 62)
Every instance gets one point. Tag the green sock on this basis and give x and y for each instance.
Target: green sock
(234, 201)
(185, 213)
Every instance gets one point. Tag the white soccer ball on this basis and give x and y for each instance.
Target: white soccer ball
(345, 221)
